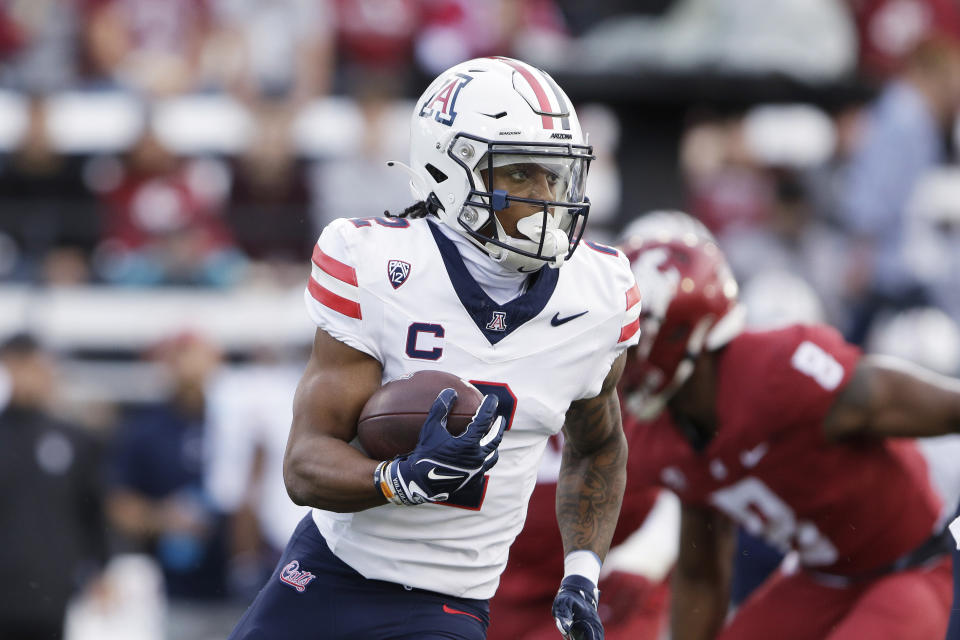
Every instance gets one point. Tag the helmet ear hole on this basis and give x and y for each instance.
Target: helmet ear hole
(437, 175)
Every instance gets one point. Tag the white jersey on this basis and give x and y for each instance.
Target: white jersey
(398, 290)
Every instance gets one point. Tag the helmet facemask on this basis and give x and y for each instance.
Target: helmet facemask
(546, 181)
(660, 365)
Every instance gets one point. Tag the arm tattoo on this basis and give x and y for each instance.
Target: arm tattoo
(593, 474)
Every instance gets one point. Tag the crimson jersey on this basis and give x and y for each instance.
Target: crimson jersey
(845, 508)
(539, 545)
(631, 607)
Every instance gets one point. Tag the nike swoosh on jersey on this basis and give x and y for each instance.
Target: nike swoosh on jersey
(448, 609)
(556, 320)
(433, 475)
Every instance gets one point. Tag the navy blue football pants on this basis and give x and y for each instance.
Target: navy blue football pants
(953, 632)
(312, 594)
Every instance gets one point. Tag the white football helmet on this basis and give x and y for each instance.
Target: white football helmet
(501, 114)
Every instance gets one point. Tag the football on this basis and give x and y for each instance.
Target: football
(390, 422)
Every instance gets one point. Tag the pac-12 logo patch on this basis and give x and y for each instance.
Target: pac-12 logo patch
(293, 576)
(397, 272)
(441, 104)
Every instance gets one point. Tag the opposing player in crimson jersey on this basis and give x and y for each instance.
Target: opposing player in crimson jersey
(796, 436)
(634, 606)
(480, 278)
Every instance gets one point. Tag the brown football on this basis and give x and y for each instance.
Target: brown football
(390, 422)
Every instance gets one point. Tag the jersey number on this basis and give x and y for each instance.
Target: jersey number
(761, 512)
(471, 496)
(393, 223)
(507, 406)
(812, 360)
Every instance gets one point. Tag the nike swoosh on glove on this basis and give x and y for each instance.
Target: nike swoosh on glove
(442, 464)
(575, 609)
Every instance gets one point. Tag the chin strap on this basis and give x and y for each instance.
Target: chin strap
(560, 240)
(417, 186)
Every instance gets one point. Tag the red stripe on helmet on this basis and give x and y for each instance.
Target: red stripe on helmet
(558, 94)
(537, 89)
(340, 271)
(329, 299)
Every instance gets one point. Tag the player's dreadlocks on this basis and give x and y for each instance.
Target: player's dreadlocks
(416, 210)
(419, 209)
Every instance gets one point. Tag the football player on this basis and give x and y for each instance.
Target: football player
(798, 437)
(483, 277)
(634, 605)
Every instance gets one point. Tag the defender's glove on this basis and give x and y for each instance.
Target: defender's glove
(575, 609)
(442, 464)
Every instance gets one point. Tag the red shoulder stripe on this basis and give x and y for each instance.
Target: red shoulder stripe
(627, 332)
(633, 295)
(337, 269)
(330, 299)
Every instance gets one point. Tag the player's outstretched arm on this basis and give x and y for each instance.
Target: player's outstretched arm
(889, 397)
(589, 492)
(593, 471)
(701, 580)
(320, 468)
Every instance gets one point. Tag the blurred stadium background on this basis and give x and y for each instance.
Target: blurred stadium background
(166, 166)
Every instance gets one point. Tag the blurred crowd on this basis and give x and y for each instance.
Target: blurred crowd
(161, 523)
(847, 213)
(141, 206)
(207, 143)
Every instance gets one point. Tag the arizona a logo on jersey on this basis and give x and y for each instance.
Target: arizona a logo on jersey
(498, 322)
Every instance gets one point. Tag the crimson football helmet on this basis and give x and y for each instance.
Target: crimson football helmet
(502, 116)
(689, 304)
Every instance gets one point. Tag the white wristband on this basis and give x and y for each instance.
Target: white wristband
(582, 563)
